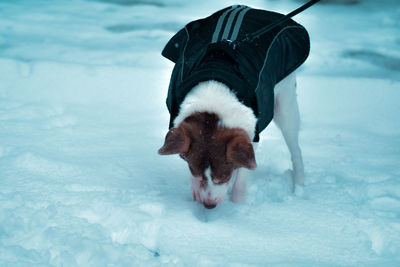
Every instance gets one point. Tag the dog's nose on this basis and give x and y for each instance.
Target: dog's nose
(209, 206)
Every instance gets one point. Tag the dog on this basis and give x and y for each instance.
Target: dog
(225, 90)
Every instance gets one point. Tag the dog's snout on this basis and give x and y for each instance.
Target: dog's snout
(209, 206)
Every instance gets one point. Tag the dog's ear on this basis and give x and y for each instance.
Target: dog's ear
(240, 151)
(176, 142)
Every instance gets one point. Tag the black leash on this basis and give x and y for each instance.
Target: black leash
(252, 36)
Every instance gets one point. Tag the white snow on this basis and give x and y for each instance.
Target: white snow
(82, 115)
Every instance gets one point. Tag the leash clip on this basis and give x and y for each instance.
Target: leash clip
(231, 43)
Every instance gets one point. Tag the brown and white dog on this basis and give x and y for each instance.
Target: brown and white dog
(213, 134)
(225, 89)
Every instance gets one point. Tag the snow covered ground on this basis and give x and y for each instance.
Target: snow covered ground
(82, 114)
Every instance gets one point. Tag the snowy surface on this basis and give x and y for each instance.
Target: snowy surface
(82, 114)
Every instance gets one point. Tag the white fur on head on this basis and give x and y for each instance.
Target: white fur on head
(215, 97)
(214, 193)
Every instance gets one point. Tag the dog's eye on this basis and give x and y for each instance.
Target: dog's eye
(217, 181)
(222, 178)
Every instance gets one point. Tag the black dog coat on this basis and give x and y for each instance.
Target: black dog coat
(205, 49)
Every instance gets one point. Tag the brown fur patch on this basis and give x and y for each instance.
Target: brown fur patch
(176, 142)
(212, 146)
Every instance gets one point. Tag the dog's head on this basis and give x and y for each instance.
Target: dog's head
(212, 152)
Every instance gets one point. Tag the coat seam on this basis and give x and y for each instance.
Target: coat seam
(269, 48)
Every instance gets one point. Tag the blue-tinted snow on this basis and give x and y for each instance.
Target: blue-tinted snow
(82, 114)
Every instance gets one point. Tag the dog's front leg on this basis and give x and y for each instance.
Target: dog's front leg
(238, 194)
(195, 184)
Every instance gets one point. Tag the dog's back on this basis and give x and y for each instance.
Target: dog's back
(212, 49)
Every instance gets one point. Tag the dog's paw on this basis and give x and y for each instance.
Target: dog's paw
(298, 190)
(196, 195)
(238, 197)
(297, 182)
(298, 177)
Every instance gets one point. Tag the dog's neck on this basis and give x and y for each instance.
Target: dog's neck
(215, 97)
